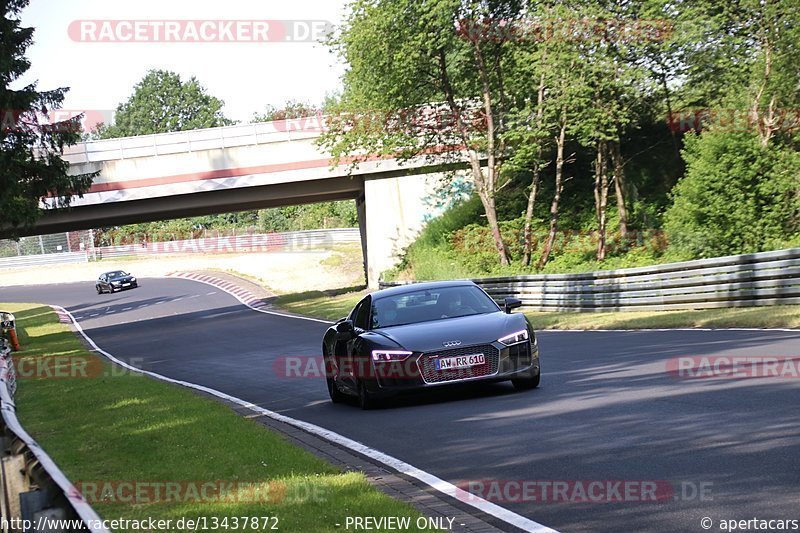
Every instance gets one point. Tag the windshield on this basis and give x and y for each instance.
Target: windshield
(117, 274)
(430, 304)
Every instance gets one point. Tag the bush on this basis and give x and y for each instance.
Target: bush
(737, 196)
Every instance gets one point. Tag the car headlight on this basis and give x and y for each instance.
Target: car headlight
(514, 338)
(133, 279)
(390, 355)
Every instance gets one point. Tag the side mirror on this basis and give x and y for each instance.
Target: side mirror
(345, 330)
(512, 303)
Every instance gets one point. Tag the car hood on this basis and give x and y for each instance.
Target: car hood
(121, 278)
(474, 329)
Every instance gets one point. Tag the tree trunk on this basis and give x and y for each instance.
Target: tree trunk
(601, 198)
(559, 186)
(764, 125)
(484, 184)
(670, 114)
(528, 244)
(619, 189)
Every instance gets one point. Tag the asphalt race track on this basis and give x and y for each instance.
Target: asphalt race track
(607, 409)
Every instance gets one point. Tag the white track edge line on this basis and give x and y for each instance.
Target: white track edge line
(402, 467)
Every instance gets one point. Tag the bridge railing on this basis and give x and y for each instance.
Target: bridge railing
(192, 140)
(759, 279)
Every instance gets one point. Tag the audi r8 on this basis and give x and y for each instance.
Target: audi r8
(428, 335)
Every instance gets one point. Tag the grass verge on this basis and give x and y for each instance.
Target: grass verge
(109, 427)
(328, 305)
(322, 305)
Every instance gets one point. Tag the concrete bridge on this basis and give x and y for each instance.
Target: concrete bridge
(236, 168)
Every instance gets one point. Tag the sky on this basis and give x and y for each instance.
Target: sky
(248, 76)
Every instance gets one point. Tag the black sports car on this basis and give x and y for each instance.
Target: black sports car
(116, 280)
(428, 335)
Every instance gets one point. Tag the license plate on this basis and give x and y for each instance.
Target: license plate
(462, 361)
(126, 284)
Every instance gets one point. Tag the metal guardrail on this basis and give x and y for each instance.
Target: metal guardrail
(23, 261)
(759, 279)
(34, 494)
(295, 241)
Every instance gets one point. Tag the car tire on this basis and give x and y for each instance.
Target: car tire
(99, 290)
(365, 400)
(336, 395)
(527, 383)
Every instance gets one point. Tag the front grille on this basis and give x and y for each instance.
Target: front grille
(431, 375)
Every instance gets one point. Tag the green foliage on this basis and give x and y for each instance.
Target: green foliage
(161, 102)
(740, 190)
(291, 109)
(737, 196)
(438, 230)
(341, 214)
(30, 164)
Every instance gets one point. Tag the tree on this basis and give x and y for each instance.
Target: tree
(417, 87)
(617, 83)
(531, 142)
(738, 196)
(162, 103)
(31, 168)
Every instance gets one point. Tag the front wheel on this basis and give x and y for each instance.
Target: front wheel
(99, 290)
(336, 395)
(365, 400)
(528, 382)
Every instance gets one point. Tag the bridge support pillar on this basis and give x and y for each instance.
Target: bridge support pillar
(395, 212)
(361, 211)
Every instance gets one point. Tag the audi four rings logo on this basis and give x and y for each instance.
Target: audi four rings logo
(450, 344)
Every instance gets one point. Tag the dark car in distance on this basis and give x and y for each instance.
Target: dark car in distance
(116, 280)
(427, 335)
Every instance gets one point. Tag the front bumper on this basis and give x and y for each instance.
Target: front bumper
(419, 372)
